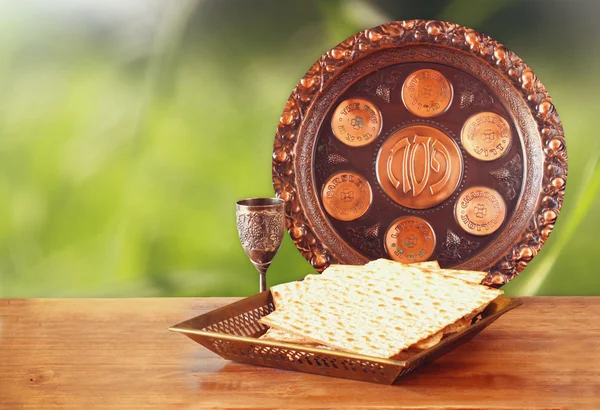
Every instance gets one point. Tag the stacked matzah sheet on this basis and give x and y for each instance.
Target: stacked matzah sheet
(379, 309)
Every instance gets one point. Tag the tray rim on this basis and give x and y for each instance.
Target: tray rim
(551, 161)
(511, 303)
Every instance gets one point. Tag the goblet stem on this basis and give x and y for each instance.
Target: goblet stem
(262, 271)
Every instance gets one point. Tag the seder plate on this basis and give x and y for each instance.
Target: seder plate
(421, 140)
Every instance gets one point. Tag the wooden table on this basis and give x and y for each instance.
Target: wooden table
(117, 354)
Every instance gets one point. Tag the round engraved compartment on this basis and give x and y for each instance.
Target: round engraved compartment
(419, 166)
(427, 93)
(480, 211)
(410, 239)
(356, 122)
(346, 196)
(486, 136)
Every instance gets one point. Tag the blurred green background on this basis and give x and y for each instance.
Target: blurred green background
(129, 128)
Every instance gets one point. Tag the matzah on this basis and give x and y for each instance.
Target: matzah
(283, 292)
(378, 314)
(287, 291)
(282, 336)
(388, 267)
(380, 265)
(466, 275)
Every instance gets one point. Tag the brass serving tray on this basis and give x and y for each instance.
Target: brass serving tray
(232, 332)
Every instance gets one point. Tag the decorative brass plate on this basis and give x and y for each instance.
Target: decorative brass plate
(232, 332)
(453, 110)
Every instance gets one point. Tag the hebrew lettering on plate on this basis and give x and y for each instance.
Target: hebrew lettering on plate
(410, 149)
(419, 166)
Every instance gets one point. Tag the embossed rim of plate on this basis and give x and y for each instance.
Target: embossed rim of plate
(538, 125)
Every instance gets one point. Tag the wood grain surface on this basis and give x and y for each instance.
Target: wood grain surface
(118, 354)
